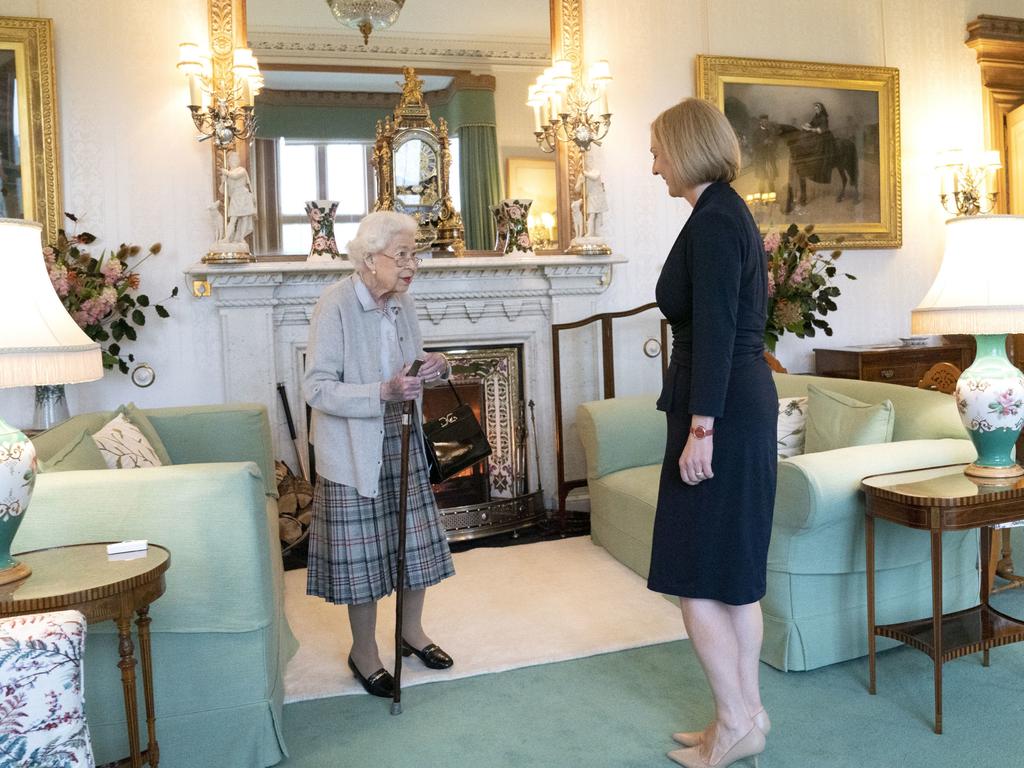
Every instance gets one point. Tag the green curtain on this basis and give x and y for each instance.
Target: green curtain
(481, 186)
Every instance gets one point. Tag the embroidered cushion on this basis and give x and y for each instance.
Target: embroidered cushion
(837, 421)
(792, 426)
(124, 446)
(42, 710)
(140, 420)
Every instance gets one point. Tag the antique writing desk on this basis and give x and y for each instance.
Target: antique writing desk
(937, 500)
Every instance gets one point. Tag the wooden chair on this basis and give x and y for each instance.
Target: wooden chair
(941, 377)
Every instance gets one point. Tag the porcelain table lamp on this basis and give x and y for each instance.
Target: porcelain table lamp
(39, 344)
(980, 290)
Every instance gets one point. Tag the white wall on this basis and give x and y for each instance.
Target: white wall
(133, 172)
(940, 94)
(132, 168)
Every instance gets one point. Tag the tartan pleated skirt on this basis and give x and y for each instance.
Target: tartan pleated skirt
(353, 540)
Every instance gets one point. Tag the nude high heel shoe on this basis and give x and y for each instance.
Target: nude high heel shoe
(750, 745)
(694, 738)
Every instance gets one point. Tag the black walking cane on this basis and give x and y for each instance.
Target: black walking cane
(403, 492)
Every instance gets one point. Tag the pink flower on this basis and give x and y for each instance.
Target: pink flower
(524, 240)
(771, 242)
(59, 278)
(802, 271)
(49, 256)
(771, 283)
(111, 270)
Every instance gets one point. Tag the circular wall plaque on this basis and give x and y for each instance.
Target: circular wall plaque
(143, 375)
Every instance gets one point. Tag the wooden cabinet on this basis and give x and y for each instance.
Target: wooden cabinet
(893, 364)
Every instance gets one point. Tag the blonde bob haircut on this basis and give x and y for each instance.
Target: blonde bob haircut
(698, 143)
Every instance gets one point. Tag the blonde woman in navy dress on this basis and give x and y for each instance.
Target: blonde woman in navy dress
(717, 488)
(363, 337)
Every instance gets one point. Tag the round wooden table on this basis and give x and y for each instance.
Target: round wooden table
(103, 587)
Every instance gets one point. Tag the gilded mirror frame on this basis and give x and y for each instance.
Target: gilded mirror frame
(32, 42)
(227, 27)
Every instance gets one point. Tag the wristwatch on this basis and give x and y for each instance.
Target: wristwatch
(700, 433)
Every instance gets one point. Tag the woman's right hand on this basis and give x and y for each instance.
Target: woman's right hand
(401, 387)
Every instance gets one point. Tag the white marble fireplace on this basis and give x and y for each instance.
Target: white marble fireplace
(262, 312)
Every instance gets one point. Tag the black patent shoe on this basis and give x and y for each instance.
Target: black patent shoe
(431, 655)
(380, 683)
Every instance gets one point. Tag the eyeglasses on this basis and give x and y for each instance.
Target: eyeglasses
(404, 258)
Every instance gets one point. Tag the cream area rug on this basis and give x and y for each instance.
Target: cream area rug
(506, 607)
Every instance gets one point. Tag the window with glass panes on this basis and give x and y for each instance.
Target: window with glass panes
(323, 170)
(332, 170)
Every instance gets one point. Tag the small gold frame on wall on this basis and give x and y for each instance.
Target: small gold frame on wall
(836, 165)
(31, 41)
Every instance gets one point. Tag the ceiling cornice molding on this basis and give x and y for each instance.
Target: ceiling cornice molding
(276, 46)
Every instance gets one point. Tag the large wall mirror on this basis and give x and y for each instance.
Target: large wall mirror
(29, 153)
(325, 90)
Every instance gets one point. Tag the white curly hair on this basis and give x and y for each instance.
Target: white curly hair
(375, 234)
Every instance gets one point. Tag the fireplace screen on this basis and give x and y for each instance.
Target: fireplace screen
(492, 496)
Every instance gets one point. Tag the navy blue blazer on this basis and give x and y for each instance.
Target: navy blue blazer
(713, 289)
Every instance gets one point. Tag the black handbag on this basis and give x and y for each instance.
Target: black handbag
(454, 441)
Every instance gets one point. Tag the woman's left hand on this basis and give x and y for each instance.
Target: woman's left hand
(695, 461)
(435, 365)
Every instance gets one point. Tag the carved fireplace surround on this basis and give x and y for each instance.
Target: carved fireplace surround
(261, 313)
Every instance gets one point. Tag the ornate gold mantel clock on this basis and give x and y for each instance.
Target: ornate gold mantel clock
(412, 159)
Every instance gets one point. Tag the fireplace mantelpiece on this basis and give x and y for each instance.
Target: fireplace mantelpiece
(259, 313)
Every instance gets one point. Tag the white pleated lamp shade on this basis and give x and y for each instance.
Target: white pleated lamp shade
(39, 341)
(980, 285)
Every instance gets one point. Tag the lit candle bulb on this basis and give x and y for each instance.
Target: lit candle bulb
(536, 118)
(195, 92)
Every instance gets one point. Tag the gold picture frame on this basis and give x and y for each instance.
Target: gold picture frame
(29, 44)
(820, 144)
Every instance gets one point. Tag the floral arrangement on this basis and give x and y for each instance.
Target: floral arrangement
(800, 293)
(100, 294)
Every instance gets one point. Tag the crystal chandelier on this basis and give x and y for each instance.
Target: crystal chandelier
(366, 15)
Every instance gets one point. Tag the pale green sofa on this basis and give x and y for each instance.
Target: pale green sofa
(814, 609)
(220, 640)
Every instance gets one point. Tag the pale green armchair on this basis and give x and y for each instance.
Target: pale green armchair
(220, 638)
(814, 609)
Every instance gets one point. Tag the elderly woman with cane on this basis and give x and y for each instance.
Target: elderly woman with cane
(364, 339)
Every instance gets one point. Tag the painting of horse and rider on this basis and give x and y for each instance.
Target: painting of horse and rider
(816, 149)
(820, 144)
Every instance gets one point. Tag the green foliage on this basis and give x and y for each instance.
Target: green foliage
(800, 290)
(101, 293)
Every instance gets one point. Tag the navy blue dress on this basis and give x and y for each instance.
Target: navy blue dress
(711, 539)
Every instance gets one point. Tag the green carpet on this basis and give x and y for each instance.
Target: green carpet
(619, 709)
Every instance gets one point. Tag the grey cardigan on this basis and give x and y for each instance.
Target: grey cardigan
(342, 384)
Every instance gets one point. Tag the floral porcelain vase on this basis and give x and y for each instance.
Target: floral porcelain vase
(321, 220)
(516, 213)
(500, 227)
(990, 398)
(18, 469)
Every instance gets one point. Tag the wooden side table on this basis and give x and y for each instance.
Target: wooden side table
(893, 364)
(937, 500)
(83, 577)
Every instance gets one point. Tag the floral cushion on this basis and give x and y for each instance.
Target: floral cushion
(124, 446)
(792, 426)
(42, 710)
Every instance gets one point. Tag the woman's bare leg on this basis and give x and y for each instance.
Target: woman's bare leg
(748, 629)
(709, 623)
